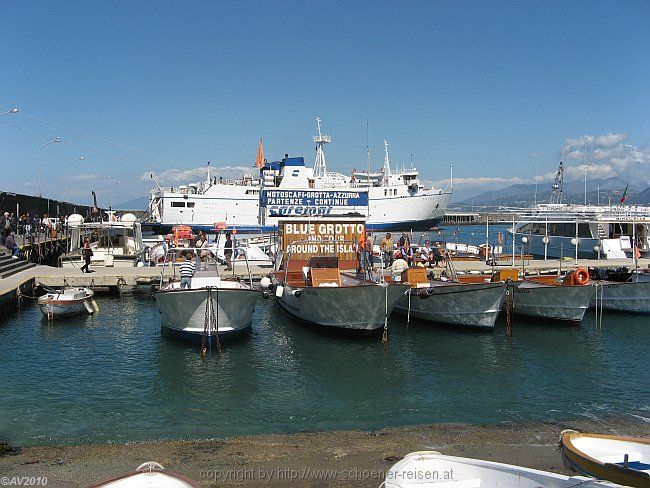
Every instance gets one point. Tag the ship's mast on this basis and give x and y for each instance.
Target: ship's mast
(320, 166)
(556, 195)
(386, 160)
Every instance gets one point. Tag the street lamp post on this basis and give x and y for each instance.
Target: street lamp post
(53, 141)
(67, 191)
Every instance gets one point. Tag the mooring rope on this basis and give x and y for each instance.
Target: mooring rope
(384, 337)
(508, 327)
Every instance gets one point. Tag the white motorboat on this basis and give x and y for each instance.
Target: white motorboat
(149, 475)
(551, 301)
(69, 301)
(320, 294)
(447, 302)
(624, 460)
(213, 309)
(557, 230)
(434, 470)
(115, 242)
(628, 296)
(391, 199)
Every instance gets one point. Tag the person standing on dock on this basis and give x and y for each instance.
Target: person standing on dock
(387, 250)
(227, 250)
(87, 253)
(187, 271)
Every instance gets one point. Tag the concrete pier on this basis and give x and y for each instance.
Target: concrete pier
(115, 278)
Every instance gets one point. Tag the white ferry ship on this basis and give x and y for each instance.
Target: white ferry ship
(557, 229)
(388, 199)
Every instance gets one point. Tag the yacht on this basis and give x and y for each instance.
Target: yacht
(558, 230)
(388, 199)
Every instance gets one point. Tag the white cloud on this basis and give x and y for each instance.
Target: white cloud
(174, 176)
(84, 177)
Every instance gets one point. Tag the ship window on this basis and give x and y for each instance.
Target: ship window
(583, 230)
(190, 204)
(178, 204)
(385, 192)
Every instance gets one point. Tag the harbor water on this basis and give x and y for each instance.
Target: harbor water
(114, 378)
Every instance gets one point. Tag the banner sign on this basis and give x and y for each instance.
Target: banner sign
(296, 203)
(306, 239)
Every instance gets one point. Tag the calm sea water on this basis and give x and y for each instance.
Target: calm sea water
(113, 377)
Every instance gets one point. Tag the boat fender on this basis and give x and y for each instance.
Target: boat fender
(266, 283)
(266, 295)
(279, 291)
(296, 293)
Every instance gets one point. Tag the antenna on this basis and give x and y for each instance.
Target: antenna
(368, 150)
(320, 166)
(585, 171)
(386, 160)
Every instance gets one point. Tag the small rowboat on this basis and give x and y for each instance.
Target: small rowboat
(149, 475)
(623, 460)
(70, 301)
(432, 469)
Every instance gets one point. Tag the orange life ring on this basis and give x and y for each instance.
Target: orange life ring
(581, 276)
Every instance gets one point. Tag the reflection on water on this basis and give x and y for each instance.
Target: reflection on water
(112, 377)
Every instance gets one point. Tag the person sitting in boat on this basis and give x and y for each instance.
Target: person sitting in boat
(86, 253)
(436, 254)
(203, 244)
(187, 269)
(404, 247)
(386, 247)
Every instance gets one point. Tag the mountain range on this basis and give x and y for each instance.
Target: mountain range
(523, 195)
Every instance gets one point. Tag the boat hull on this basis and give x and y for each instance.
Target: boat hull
(624, 297)
(183, 312)
(471, 304)
(55, 310)
(563, 303)
(430, 469)
(72, 301)
(602, 456)
(353, 308)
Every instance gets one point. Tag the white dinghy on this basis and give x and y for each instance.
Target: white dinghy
(432, 469)
(624, 460)
(69, 301)
(147, 475)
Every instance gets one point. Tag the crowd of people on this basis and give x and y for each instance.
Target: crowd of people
(427, 255)
(12, 226)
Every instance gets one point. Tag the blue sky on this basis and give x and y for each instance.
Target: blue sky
(482, 84)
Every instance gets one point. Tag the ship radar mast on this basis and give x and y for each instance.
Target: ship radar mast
(386, 160)
(320, 166)
(556, 194)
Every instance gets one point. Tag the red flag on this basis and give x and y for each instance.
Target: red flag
(259, 160)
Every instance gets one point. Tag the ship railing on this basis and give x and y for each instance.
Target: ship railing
(211, 259)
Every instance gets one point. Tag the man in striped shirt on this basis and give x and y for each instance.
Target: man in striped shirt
(187, 271)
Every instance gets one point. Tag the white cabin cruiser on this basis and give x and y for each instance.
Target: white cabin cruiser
(389, 199)
(557, 229)
(115, 242)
